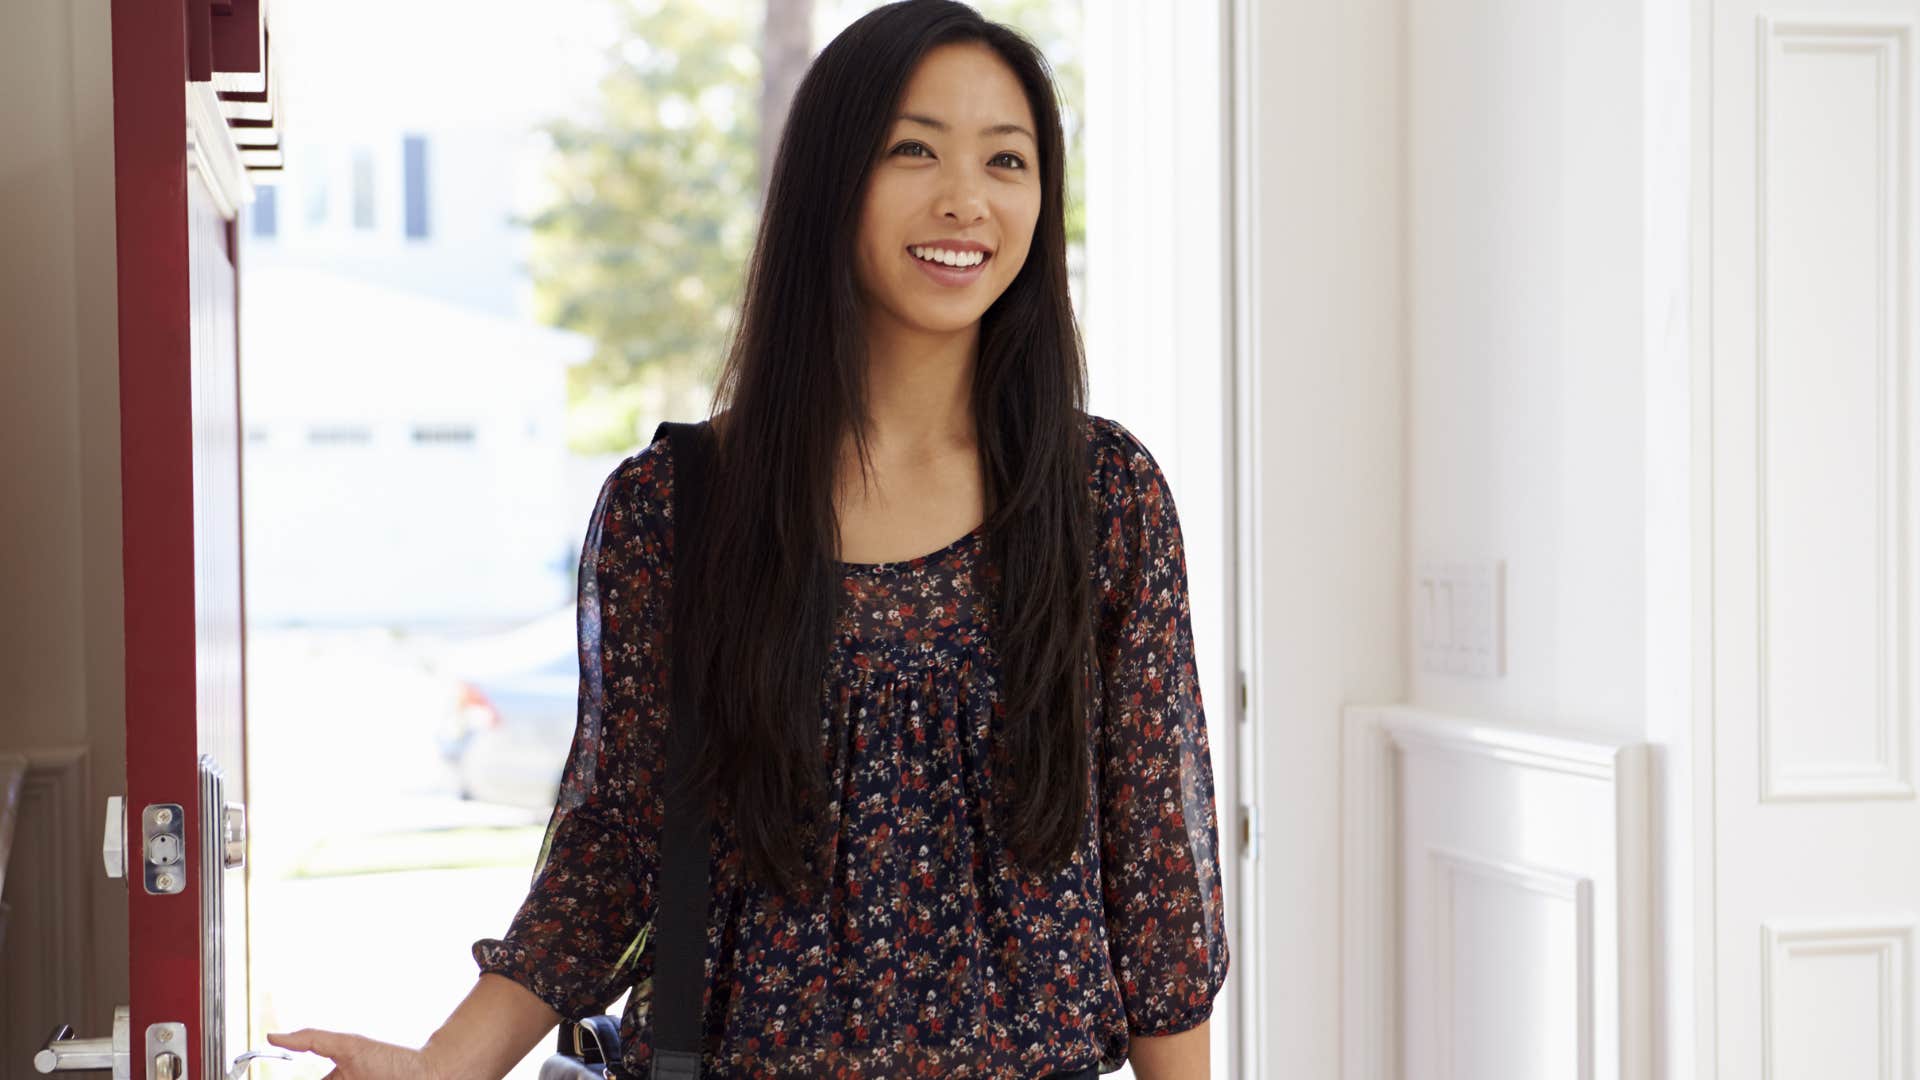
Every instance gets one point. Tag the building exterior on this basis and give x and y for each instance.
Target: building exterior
(405, 458)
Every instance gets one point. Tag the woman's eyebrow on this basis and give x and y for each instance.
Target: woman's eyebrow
(992, 129)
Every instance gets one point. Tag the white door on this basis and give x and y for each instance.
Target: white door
(1814, 659)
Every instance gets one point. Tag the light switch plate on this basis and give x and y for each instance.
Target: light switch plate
(1459, 617)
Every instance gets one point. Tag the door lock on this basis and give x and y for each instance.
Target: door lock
(166, 1047)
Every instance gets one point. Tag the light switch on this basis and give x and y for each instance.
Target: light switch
(1460, 617)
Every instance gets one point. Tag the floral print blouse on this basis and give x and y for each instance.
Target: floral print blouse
(935, 954)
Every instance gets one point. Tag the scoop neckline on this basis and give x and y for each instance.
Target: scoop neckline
(901, 564)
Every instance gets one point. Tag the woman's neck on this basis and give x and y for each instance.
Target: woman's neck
(920, 394)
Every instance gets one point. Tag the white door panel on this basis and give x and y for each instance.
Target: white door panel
(1814, 569)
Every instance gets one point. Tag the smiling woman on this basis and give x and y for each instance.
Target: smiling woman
(935, 635)
(962, 149)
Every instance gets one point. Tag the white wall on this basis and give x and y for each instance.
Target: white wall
(61, 641)
(1525, 268)
(1325, 438)
(1547, 244)
(1471, 261)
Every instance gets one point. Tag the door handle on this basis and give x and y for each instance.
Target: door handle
(64, 1053)
(245, 1061)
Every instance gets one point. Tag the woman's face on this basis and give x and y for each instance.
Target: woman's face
(960, 164)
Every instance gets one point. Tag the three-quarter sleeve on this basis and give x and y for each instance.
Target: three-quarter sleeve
(577, 939)
(1159, 842)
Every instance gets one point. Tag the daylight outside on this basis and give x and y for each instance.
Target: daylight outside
(488, 270)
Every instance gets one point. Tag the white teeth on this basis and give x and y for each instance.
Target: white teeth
(950, 258)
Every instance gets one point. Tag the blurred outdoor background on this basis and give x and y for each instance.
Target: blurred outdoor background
(487, 271)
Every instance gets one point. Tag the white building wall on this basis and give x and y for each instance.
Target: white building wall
(359, 339)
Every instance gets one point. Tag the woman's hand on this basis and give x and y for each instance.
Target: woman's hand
(497, 1025)
(356, 1057)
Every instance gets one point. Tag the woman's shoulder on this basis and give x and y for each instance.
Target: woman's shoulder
(637, 493)
(1108, 435)
(1122, 468)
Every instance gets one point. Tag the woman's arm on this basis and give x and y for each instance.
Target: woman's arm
(1159, 840)
(490, 1032)
(1181, 1056)
(487, 1035)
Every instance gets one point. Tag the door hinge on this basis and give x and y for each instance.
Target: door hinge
(1250, 831)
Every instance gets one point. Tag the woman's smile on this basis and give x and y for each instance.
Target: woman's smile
(951, 276)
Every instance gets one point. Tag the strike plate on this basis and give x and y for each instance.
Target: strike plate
(168, 1039)
(163, 849)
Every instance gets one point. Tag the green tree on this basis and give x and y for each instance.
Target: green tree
(654, 200)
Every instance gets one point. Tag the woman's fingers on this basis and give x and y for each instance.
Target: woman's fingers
(328, 1044)
(304, 1039)
(354, 1057)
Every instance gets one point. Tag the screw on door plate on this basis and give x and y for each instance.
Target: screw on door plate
(163, 848)
(166, 1044)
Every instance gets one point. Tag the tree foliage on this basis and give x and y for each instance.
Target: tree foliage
(651, 211)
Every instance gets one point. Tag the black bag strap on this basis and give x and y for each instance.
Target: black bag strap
(680, 934)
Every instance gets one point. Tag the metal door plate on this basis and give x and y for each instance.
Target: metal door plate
(163, 848)
(168, 1039)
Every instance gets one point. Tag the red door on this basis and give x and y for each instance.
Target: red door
(191, 95)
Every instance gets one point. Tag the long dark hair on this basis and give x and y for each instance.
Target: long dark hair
(793, 387)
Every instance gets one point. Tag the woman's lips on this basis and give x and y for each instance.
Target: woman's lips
(951, 275)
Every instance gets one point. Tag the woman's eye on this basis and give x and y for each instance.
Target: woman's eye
(1018, 163)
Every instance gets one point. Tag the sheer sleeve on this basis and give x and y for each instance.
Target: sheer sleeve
(1159, 842)
(576, 941)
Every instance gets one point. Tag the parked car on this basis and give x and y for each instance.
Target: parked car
(515, 701)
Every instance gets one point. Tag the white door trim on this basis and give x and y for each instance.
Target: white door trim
(1242, 22)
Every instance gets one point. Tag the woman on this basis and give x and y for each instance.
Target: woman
(950, 713)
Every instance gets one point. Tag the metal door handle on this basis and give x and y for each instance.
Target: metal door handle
(245, 1061)
(64, 1053)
